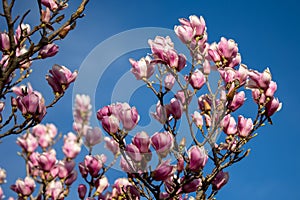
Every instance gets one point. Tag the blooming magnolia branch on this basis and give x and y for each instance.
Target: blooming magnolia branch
(19, 50)
(159, 165)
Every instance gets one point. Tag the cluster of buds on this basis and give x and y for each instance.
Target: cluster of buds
(112, 115)
(57, 175)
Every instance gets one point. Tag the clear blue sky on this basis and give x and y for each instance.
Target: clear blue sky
(268, 36)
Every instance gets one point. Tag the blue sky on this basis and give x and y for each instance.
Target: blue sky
(268, 36)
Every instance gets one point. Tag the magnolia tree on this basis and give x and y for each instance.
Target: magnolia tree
(158, 164)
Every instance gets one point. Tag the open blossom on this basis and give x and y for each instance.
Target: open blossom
(142, 68)
(225, 53)
(24, 187)
(128, 116)
(60, 78)
(28, 142)
(122, 186)
(47, 160)
(71, 146)
(190, 29)
(55, 190)
(31, 103)
(45, 134)
(163, 52)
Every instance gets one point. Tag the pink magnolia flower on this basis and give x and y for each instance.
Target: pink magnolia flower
(225, 54)
(160, 114)
(197, 79)
(82, 109)
(163, 52)
(104, 112)
(28, 142)
(271, 89)
(192, 186)
(112, 145)
(82, 189)
(229, 125)
(111, 124)
(48, 50)
(237, 101)
(24, 187)
(55, 190)
(93, 165)
(259, 80)
(121, 186)
(190, 29)
(4, 42)
(22, 31)
(30, 103)
(47, 160)
(128, 116)
(60, 78)
(169, 81)
(142, 141)
(220, 180)
(46, 15)
(133, 152)
(71, 146)
(93, 136)
(244, 126)
(51, 4)
(142, 68)
(163, 171)
(45, 134)
(59, 170)
(162, 143)
(175, 108)
(71, 178)
(101, 184)
(197, 158)
(273, 106)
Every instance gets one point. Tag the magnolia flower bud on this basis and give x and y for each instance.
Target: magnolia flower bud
(197, 79)
(111, 124)
(163, 171)
(244, 126)
(169, 81)
(220, 180)
(197, 158)
(82, 189)
(162, 143)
